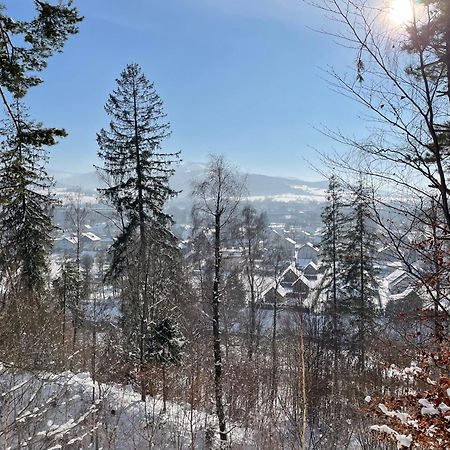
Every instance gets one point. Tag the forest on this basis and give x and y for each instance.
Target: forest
(239, 332)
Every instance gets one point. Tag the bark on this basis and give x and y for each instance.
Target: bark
(218, 368)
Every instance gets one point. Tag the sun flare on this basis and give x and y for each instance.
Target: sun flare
(401, 11)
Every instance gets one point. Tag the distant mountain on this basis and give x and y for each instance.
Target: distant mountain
(85, 182)
(259, 187)
(271, 185)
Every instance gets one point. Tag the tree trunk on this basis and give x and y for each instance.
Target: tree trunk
(218, 369)
(273, 389)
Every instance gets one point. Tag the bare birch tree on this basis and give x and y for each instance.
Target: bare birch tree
(217, 199)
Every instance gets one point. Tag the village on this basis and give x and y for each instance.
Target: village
(296, 279)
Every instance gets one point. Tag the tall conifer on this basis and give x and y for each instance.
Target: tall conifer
(360, 290)
(25, 203)
(137, 173)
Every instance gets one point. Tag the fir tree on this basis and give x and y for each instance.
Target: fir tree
(166, 342)
(25, 203)
(331, 252)
(360, 290)
(137, 173)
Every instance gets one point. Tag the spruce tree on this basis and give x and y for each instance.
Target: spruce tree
(137, 173)
(25, 204)
(331, 261)
(360, 290)
(166, 343)
(331, 246)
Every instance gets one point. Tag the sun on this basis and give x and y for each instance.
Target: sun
(401, 11)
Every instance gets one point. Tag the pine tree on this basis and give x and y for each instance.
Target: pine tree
(137, 173)
(25, 204)
(25, 46)
(360, 290)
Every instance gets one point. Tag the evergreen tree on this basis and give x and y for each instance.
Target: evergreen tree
(136, 170)
(166, 344)
(331, 260)
(25, 46)
(360, 290)
(66, 287)
(331, 246)
(25, 203)
(137, 173)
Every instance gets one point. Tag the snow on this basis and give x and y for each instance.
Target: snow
(402, 416)
(402, 439)
(44, 410)
(91, 236)
(444, 408)
(428, 409)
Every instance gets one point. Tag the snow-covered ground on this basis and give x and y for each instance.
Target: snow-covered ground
(69, 411)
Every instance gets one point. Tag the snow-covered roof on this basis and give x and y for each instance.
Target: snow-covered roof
(292, 268)
(91, 236)
(304, 262)
(71, 239)
(394, 275)
(280, 290)
(313, 265)
(308, 244)
(403, 294)
(303, 279)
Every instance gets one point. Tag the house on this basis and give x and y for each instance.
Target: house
(289, 276)
(273, 294)
(278, 240)
(65, 244)
(305, 254)
(300, 289)
(232, 258)
(289, 246)
(387, 254)
(90, 241)
(398, 281)
(311, 270)
(292, 287)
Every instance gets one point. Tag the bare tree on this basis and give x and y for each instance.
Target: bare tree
(217, 199)
(252, 228)
(402, 79)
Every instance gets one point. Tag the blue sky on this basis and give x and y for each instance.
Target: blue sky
(239, 77)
